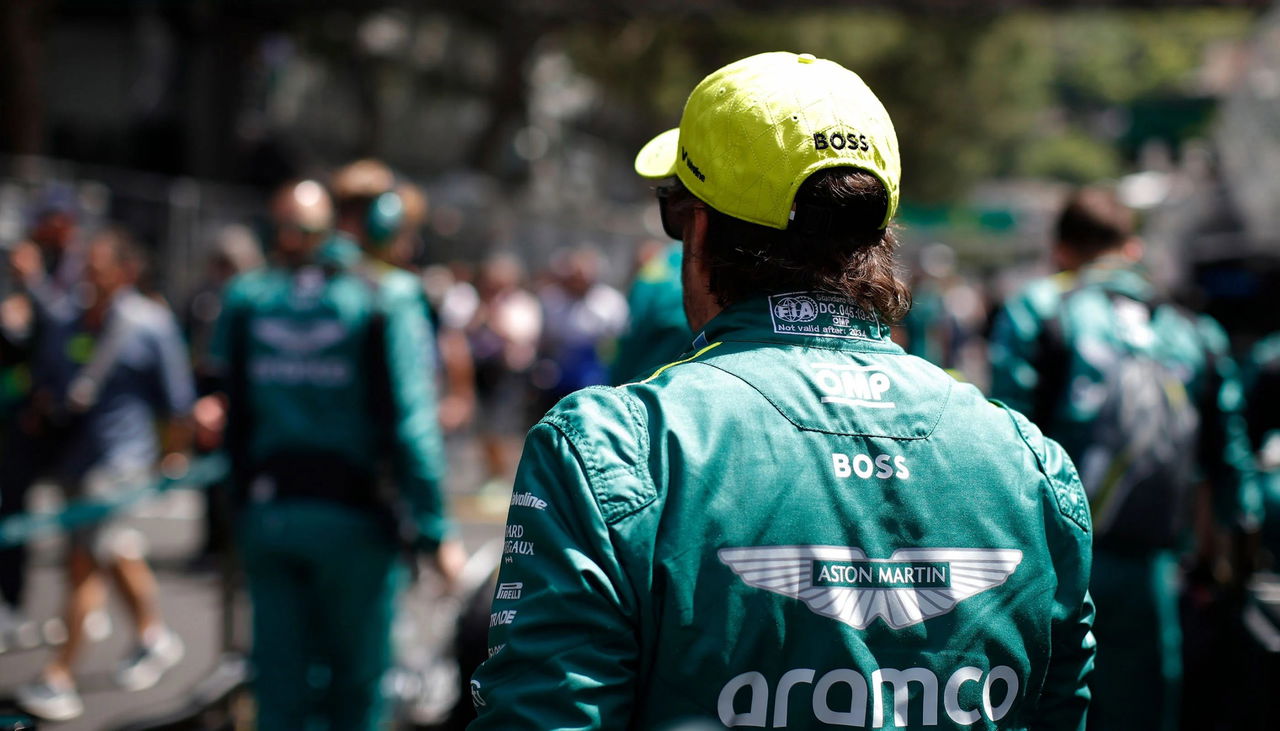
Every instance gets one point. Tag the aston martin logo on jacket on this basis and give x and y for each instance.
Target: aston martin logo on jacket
(909, 587)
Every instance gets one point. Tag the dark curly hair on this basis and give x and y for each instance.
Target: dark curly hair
(835, 244)
(1093, 221)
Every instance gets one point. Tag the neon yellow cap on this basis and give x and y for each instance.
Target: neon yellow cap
(754, 130)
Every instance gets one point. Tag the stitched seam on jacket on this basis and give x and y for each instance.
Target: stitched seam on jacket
(612, 508)
(1077, 511)
(928, 433)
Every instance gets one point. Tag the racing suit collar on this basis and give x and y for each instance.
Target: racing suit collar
(1118, 275)
(815, 319)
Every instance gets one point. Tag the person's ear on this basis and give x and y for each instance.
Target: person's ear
(1132, 249)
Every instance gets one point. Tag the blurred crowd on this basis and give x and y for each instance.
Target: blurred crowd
(105, 383)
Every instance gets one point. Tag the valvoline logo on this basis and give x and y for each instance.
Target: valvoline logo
(796, 308)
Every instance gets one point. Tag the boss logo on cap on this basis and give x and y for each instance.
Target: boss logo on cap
(840, 140)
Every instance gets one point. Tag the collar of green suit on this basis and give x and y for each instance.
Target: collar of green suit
(818, 319)
(1114, 274)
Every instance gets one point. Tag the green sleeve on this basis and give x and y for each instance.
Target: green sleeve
(1225, 454)
(1015, 342)
(234, 298)
(657, 330)
(418, 446)
(563, 652)
(1064, 698)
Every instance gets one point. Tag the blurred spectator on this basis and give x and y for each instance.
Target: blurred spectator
(235, 251)
(503, 331)
(50, 264)
(454, 303)
(1144, 398)
(657, 330)
(947, 314)
(45, 268)
(324, 371)
(583, 316)
(104, 369)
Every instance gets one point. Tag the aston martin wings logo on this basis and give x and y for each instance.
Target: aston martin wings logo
(912, 585)
(299, 337)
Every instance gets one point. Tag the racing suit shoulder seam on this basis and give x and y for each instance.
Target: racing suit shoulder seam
(613, 507)
(1069, 497)
(802, 427)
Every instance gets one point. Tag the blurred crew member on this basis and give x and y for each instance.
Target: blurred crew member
(1263, 416)
(355, 187)
(385, 219)
(1144, 397)
(103, 373)
(798, 524)
(324, 374)
(657, 331)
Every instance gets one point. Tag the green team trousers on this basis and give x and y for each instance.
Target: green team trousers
(1137, 677)
(323, 580)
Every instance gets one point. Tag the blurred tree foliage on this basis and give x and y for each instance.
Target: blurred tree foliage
(973, 96)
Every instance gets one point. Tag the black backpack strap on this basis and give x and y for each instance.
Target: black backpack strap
(377, 369)
(1053, 366)
(239, 429)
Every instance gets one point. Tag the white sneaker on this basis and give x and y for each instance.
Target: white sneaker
(50, 701)
(149, 661)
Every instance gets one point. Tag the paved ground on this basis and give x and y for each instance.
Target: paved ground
(191, 603)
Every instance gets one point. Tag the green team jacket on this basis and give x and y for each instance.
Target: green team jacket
(657, 331)
(1195, 347)
(801, 526)
(308, 381)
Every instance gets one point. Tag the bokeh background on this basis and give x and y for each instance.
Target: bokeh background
(519, 120)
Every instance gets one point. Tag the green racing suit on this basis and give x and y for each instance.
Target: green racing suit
(657, 331)
(307, 352)
(799, 526)
(1135, 584)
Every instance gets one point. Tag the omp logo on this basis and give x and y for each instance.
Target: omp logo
(852, 385)
(796, 309)
(879, 687)
(840, 582)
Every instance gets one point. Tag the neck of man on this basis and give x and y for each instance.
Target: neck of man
(1067, 259)
(700, 305)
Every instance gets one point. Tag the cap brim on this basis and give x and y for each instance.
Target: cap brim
(658, 158)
